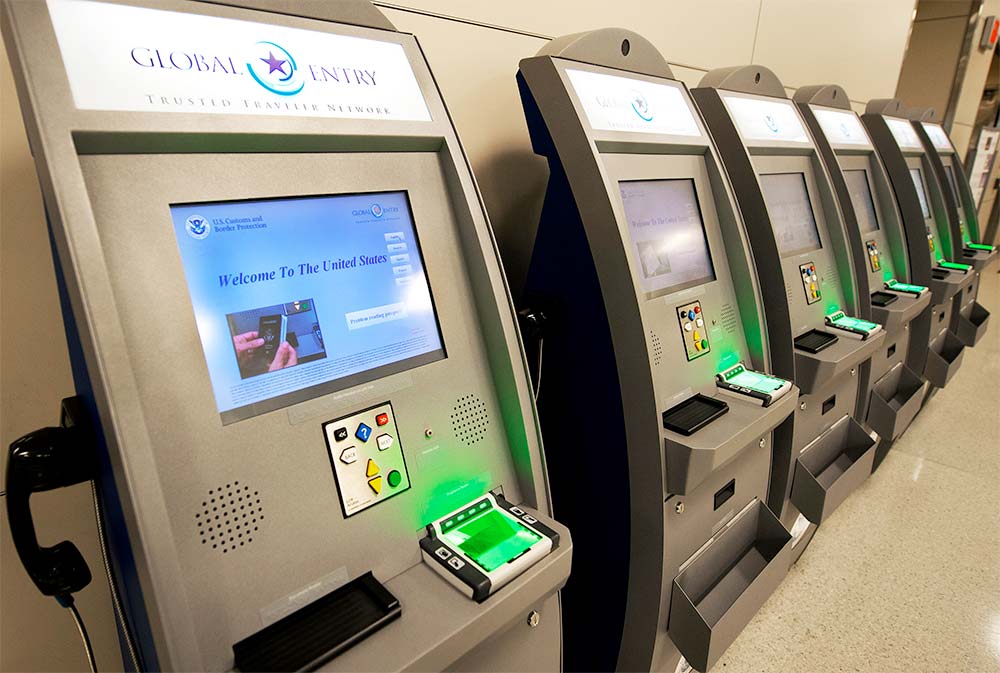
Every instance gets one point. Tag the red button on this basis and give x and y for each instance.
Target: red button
(382, 419)
(697, 309)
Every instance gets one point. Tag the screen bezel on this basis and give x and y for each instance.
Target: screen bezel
(871, 199)
(784, 254)
(333, 385)
(671, 289)
(921, 186)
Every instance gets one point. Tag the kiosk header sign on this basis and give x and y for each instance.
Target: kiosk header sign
(766, 119)
(843, 128)
(938, 137)
(136, 59)
(615, 103)
(903, 132)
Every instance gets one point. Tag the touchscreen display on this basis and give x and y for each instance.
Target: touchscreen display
(791, 213)
(668, 235)
(861, 199)
(918, 183)
(298, 297)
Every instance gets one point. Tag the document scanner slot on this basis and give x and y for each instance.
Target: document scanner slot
(726, 582)
(813, 370)
(691, 458)
(972, 328)
(830, 468)
(882, 299)
(893, 315)
(895, 401)
(693, 414)
(944, 358)
(318, 632)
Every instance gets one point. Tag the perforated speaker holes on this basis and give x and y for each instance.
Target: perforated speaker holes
(229, 518)
(657, 347)
(469, 419)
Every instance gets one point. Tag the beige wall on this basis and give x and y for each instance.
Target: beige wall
(35, 633)
(928, 71)
(929, 68)
(972, 84)
(856, 43)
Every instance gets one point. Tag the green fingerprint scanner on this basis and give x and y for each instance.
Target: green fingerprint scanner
(749, 384)
(854, 327)
(955, 266)
(907, 288)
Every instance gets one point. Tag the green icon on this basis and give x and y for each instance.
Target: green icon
(395, 479)
(704, 343)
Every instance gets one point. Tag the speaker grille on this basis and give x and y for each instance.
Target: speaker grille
(656, 347)
(469, 419)
(230, 517)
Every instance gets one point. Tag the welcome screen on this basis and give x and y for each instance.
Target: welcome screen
(298, 297)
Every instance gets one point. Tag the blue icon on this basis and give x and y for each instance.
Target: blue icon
(197, 227)
(690, 315)
(363, 432)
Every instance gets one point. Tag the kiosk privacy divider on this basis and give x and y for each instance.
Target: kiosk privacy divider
(876, 231)
(299, 342)
(816, 294)
(926, 223)
(655, 340)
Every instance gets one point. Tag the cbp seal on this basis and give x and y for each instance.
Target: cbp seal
(197, 227)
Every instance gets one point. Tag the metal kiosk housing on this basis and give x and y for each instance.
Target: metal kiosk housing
(897, 388)
(673, 531)
(759, 132)
(466, 423)
(929, 232)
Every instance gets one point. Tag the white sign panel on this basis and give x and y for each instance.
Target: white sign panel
(904, 133)
(147, 60)
(982, 166)
(766, 119)
(938, 137)
(842, 127)
(623, 104)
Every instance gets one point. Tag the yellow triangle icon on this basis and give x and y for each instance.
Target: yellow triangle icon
(372, 469)
(376, 484)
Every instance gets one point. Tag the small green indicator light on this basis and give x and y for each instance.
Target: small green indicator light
(395, 478)
(704, 343)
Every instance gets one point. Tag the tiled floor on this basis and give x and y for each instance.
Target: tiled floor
(905, 576)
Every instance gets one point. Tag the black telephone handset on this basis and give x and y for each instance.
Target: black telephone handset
(43, 460)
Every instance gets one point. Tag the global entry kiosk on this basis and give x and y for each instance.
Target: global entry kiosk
(351, 451)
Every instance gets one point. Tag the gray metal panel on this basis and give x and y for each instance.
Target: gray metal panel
(157, 485)
(895, 402)
(351, 12)
(826, 95)
(755, 79)
(610, 48)
(725, 584)
(831, 468)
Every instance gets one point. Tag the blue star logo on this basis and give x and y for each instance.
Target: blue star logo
(641, 106)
